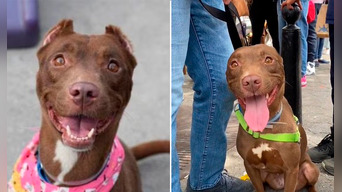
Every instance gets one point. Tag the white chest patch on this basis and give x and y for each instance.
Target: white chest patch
(263, 147)
(67, 157)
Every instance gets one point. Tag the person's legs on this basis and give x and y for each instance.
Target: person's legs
(303, 25)
(209, 49)
(281, 22)
(312, 38)
(272, 20)
(324, 151)
(317, 8)
(180, 21)
(320, 41)
(331, 39)
(257, 16)
(319, 48)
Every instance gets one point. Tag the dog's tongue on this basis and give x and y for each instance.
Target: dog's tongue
(79, 126)
(256, 114)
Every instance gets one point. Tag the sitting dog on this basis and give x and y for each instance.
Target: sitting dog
(270, 140)
(83, 84)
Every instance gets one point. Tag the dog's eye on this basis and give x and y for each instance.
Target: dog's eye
(234, 64)
(268, 60)
(59, 61)
(113, 66)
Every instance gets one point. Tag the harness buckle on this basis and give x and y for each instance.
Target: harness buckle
(236, 107)
(256, 135)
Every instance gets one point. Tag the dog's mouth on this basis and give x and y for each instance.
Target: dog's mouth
(256, 109)
(78, 131)
(269, 97)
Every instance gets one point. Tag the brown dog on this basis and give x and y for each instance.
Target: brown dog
(273, 146)
(84, 84)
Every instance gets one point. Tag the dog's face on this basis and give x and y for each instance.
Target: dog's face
(84, 82)
(256, 76)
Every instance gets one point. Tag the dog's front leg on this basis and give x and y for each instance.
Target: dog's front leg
(254, 175)
(291, 177)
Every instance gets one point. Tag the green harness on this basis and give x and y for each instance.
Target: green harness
(277, 137)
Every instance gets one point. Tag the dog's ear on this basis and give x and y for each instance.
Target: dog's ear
(115, 31)
(280, 60)
(64, 27)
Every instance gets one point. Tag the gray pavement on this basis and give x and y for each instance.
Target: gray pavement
(317, 119)
(147, 115)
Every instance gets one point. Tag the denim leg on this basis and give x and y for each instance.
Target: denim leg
(312, 40)
(320, 41)
(281, 22)
(209, 49)
(180, 21)
(303, 25)
(320, 44)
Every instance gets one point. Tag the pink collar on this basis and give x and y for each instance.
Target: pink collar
(25, 175)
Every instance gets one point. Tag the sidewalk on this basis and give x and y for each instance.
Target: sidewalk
(317, 119)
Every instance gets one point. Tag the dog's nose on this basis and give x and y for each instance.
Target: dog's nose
(251, 83)
(83, 93)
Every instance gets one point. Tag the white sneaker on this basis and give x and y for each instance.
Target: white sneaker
(310, 68)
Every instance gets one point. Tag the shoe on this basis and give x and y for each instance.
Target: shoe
(227, 183)
(303, 81)
(323, 61)
(328, 165)
(316, 63)
(324, 150)
(310, 68)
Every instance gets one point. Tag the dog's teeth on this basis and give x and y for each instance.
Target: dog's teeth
(91, 132)
(68, 130)
(267, 96)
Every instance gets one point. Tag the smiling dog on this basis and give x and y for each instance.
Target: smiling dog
(84, 83)
(270, 140)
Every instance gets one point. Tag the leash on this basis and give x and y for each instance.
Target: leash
(227, 16)
(277, 137)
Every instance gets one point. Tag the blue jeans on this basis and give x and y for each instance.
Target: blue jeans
(202, 43)
(312, 40)
(303, 25)
(320, 41)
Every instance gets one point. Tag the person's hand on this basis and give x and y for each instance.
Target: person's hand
(226, 2)
(289, 3)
